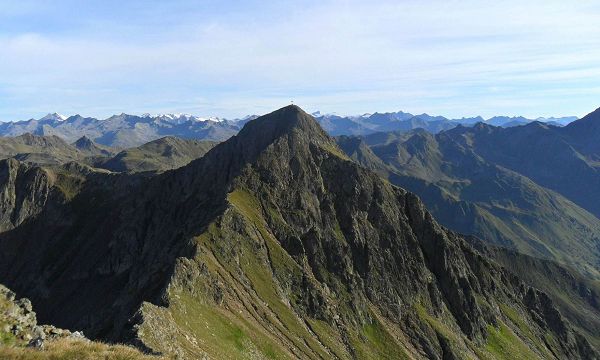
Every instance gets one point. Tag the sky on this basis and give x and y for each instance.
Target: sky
(234, 58)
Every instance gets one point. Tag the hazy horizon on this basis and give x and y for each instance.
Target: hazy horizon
(210, 58)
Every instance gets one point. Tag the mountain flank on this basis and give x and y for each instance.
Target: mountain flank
(274, 244)
(38, 149)
(474, 191)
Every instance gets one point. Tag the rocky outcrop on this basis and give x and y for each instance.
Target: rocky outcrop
(19, 323)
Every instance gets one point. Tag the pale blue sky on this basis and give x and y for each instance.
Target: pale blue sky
(232, 58)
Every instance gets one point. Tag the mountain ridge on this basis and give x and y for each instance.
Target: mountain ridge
(282, 237)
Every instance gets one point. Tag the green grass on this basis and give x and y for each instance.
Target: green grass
(237, 337)
(441, 328)
(68, 184)
(502, 343)
(6, 338)
(525, 330)
(381, 344)
(68, 349)
(198, 328)
(335, 150)
(374, 342)
(217, 332)
(329, 337)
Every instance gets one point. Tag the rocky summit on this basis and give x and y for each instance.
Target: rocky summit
(274, 244)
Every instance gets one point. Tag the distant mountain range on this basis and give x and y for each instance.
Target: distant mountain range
(402, 121)
(125, 131)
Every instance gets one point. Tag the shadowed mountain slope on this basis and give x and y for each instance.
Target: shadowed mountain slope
(560, 159)
(577, 297)
(273, 245)
(470, 193)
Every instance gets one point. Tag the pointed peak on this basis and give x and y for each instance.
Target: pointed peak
(482, 126)
(84, 139)
(291, 124)
(54, 116)
(283, 121)
(84, 142)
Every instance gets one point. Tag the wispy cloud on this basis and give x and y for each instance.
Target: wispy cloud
(456, 58)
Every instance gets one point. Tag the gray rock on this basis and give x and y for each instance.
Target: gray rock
(25, 304)
(37, 343)
(38, 332)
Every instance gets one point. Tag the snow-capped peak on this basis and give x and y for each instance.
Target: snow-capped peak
(54, 116)
(179, 118)
(324, 115)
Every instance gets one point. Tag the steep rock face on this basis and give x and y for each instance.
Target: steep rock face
(576, 297)
(24, 191)
(275, 244)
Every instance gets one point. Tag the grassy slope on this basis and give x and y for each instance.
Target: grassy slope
(38, 149)
(67, 349)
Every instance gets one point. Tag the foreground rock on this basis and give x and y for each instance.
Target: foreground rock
(22, 338)
(19, 323)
